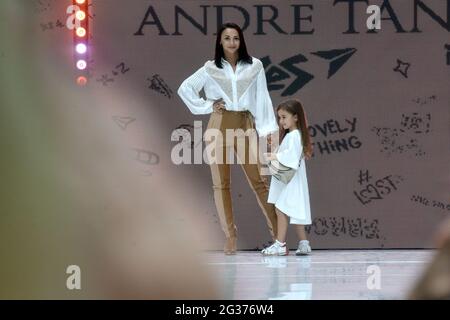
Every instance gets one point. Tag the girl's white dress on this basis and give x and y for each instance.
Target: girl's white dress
(293, 198)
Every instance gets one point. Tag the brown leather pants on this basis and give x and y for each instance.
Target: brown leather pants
(246, 150)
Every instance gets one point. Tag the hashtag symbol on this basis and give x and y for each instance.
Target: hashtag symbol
(364, 177)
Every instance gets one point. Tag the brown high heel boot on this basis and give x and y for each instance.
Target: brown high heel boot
(230, 246)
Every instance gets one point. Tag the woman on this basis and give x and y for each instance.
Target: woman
(237, 97)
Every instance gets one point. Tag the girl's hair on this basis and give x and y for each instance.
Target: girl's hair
(295, 107)
(242, 52)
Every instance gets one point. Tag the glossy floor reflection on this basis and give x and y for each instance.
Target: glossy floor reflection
(325, 274)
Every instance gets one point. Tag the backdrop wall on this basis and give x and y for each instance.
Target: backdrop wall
(377, 103)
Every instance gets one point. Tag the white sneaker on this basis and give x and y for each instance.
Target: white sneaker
(276, 249)
(303, 248)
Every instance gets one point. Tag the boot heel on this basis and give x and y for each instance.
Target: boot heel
(230, 246)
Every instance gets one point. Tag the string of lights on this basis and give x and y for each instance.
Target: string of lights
(81, 39)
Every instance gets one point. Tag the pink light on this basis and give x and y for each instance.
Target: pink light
(81, 64)
(82, 81)
(81, 48)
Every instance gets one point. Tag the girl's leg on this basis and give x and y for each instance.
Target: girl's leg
(300, 230)
(283, 221)
(303, 245)
(277, 248)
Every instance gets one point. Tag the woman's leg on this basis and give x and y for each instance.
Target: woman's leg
(220, 173)
(247, 152)
(261, 189)
(222, 197)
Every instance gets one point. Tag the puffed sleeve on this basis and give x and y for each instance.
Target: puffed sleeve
(189, 92)
(265, 120)
(290, 150)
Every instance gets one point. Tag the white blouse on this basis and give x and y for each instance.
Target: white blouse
(241, 90)
(293, 198)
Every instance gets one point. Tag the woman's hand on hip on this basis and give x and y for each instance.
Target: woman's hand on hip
(272, 138)
(219, 106)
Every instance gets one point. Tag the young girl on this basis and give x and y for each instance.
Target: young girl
(292, 199)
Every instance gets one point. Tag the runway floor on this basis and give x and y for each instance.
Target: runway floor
(325, 274)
